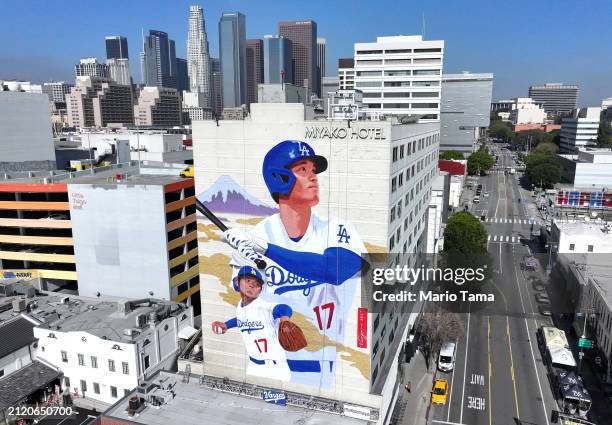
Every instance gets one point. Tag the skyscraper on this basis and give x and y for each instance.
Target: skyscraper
(303, 36)
(232, 50)
(198, 58)
(182, 74)
(556, 98)
(217, 91)
(90, 67)
(255, 67)
(158, 60)
(321, 58)
(116, 47)
(278, 60)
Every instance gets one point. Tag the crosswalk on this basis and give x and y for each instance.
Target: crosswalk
(507, 220)
(503, 239)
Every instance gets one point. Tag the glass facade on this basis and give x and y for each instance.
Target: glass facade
(232, 50)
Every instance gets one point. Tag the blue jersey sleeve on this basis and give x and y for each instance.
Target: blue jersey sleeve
(334, 266)
(281, 310)
(231, 323)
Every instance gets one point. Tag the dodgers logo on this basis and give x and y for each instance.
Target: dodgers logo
(273, 396)
(249, 325)
(277, 276)
(304, 151)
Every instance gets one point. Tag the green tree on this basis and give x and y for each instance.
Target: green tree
(451, 155)
(500, 130)
(465, 234)
(546, 148)
(543, 168)
(604, 133)
(479, 162)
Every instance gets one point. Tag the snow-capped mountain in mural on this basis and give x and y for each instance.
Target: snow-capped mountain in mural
(225, 195)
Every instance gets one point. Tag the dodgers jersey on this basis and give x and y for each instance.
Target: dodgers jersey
(325, 304)
(259, 330)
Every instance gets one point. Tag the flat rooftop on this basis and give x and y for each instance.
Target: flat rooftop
(586, 228)
(100, 317)
(194, 404)
(149, 173)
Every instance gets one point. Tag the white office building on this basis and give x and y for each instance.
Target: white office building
(579, 130)
(346, 73)
(526, 111)
(401, 75)
(119, 71)
(57, 90)
(90, 67)
(588, 168)
(438, 211)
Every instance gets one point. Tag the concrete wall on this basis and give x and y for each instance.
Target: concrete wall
(25, 128)
(120, 240)
(15, 361)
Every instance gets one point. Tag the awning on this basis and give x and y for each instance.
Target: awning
(562, 356)
(187, 332)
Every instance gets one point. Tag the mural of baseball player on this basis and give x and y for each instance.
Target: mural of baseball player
(265, 327)
(314, 263)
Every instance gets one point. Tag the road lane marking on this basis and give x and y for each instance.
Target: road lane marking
(467, 344)
(512, 367)
(495, 238)
(445, 422)
(450, 392)
(535, 367)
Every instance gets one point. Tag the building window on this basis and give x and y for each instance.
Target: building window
(81, 359)
(372, 94)
(429, 50)
(426, 72)
(94, 362)
(394, 154)
(67, 382)
(126, 368)
(113, 392)
(424, 105)
(393, 184)
(392, 215)
(397, 94)
(402, 148)
(367, 84)
(126, 392)
(572, 246)
(400, 182)
(64, 357)
(391, 243)
(369, 73)
(369, 52)
(1, 373)
(590, 248)
(111, 365)
(402, 73)
(96, 388)
(83, 386)
(396, 84)
(425, 94)
(425, 83)
(147, 362)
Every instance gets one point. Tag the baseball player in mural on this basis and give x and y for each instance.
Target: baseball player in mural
(265, 327)
(314, 263)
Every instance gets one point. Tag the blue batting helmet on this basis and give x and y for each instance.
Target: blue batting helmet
(278, 160)
(246, 271)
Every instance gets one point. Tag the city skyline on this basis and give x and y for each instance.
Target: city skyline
(466, 28)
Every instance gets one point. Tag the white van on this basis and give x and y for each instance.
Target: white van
(446, 359)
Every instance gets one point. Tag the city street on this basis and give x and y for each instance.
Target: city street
(499, 376)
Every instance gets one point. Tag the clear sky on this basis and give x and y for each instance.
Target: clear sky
(522, 42)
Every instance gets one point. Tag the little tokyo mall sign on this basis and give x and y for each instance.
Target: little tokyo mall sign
(342, 133)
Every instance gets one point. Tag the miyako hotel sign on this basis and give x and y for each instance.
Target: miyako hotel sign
(343, 133)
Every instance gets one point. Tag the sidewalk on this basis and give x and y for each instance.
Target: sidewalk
(412, 407)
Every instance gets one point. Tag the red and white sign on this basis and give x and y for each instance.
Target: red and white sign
(362, 327)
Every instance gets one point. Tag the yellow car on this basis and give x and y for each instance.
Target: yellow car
(188, 172)
(439, 392)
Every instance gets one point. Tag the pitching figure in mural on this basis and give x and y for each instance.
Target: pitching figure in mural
(314, 262)
(265, 327)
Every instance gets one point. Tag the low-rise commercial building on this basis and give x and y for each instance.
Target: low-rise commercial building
(573, 237)
(579, 130)
(588, 168)
(158, 107)
(346, 73)
(438, 211)
(526, 111)
(127, 230)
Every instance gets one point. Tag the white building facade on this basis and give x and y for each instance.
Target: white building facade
(401, 75)
(579, 130)
(582, 237)
(526, 111)
(379, 179)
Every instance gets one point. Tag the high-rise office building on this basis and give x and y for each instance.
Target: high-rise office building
(254, 67)
(119, 71)
(116, 47)
(303, 36)
(198, 58)
(321, 58)
(182, 74)
(278, 60)
(97, 102)
(464, 110)
(232, 51)
(158, 60)
(556, 98)
(400, 75)
(90, 67)
(57, 90)
(346, 73)
(158, 106)
(217, 87)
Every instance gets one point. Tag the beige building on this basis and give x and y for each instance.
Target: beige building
(97, 102)
(158, 106)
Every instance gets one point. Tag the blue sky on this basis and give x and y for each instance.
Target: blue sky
(522, 42)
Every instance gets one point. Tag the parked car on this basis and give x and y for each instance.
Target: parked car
(542, 298)
(538, 286)
(446, 359)
(545, 309)
(439, 392)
